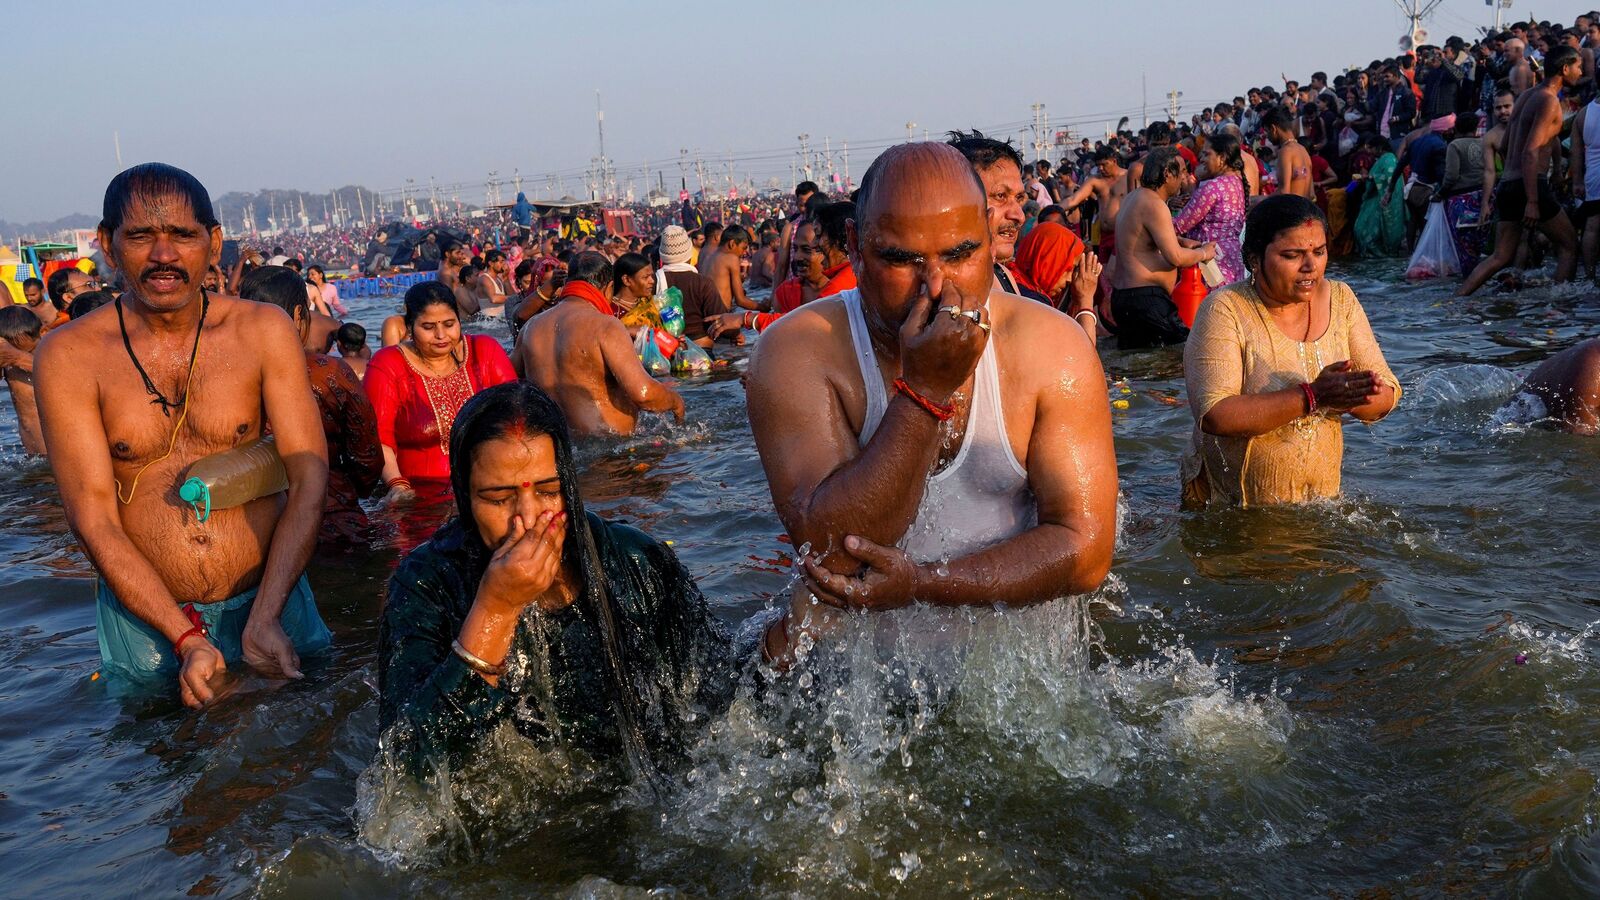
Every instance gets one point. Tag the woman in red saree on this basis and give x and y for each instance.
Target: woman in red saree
(417, 387)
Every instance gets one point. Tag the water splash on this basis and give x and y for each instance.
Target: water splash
(1462, 385)
(907, 719)
(509, 789)
(1536, 644)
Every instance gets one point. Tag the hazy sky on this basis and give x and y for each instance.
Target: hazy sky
(316, 95)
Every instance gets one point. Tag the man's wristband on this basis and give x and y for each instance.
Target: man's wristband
(196, 631)
(941, 411)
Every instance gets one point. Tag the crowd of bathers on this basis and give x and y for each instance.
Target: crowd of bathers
(874, 394)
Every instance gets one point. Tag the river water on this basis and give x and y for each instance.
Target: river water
(1396, 691)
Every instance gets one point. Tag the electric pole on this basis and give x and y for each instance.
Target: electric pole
(911, 128)
(1040, 126)
(1172, 104)
(1414, 11)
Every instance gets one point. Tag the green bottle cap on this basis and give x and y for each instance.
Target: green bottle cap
(195, 493)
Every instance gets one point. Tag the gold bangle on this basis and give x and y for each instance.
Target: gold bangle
(476, 664)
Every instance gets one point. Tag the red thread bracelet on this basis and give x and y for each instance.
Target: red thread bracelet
(195, 620)
(1311, 397)
(178, 646)
(941, 411)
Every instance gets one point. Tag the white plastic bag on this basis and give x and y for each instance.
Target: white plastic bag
(1435, 256)
(1347, 140)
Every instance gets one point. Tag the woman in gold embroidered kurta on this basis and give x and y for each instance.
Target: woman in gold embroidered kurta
(1273, 365)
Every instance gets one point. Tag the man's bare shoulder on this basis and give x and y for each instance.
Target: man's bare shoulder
(1136, 205)
(1042, 339)
(815, 332)
(586, 325)
(564, 316)
(1535, 103)
(1028, 318)
(235, 315)
(805, 323)
(725, 266)
(83, 332)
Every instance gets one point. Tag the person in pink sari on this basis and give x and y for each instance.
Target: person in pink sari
(1216, 209)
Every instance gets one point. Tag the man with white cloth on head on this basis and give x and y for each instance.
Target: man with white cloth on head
(699, 294)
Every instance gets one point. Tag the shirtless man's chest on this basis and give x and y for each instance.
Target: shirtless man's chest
(1111, 197)
(151, 450)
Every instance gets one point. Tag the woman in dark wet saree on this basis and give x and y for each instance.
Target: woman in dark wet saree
(525, 611)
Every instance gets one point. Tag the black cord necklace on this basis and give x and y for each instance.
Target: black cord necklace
(167, 406)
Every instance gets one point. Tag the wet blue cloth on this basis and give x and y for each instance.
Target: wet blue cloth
(130, 648)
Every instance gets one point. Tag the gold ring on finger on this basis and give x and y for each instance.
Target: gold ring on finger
(953, 310)
(987, 328)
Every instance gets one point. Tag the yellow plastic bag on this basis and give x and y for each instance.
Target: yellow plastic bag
(643, 315)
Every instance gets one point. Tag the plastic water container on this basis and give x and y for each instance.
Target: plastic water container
(234, 477)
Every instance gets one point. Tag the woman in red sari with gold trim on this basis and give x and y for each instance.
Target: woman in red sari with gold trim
(417, 387)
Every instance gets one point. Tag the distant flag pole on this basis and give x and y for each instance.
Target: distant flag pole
(116, 141)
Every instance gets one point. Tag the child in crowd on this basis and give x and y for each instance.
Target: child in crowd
(353, 349)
